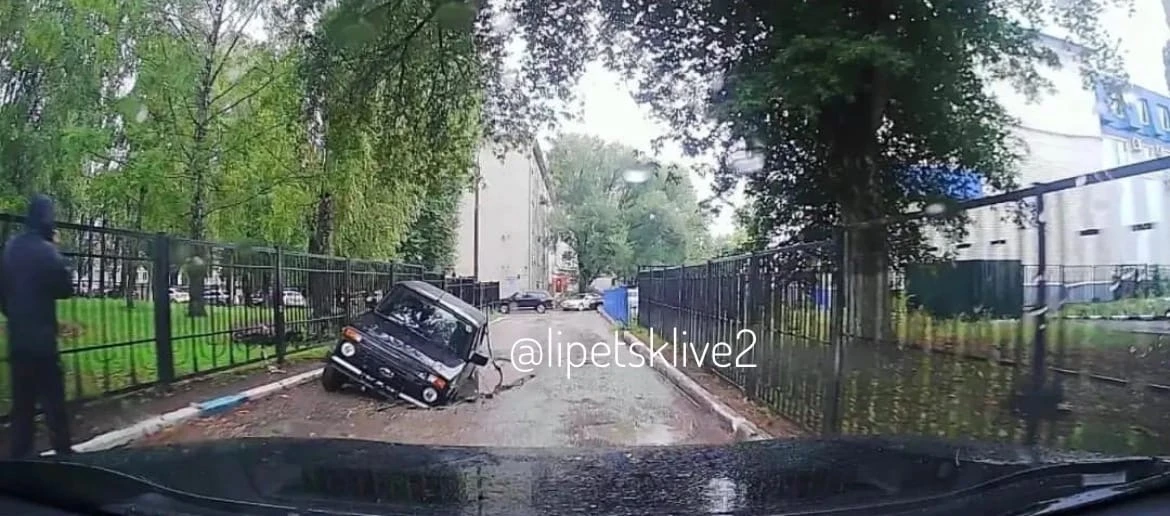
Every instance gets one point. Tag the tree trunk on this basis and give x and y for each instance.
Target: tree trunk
(855, 154)
(200, 164)
(133, 251)
(321, 242)
(866, 292)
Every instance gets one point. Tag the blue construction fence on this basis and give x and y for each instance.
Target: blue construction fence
(616, 303)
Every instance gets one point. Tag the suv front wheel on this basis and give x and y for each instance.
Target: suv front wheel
(331, 379)
(541, 308)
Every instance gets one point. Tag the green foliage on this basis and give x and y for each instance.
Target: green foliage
(844, 101)
(614, 226)
(737, 242)
(353, 124)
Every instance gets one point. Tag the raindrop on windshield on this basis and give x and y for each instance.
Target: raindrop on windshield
(636, 176)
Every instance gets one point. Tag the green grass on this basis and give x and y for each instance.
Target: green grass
(108, 347)
(1139, 306)
(983, 337)
(904, 392)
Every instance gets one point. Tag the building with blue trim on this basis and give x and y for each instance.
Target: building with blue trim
(1070, 131)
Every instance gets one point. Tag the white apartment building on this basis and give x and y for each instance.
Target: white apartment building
(1065, 134)
(514, 205)
(1071, 131)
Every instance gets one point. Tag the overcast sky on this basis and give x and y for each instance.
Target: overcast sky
(609, 111)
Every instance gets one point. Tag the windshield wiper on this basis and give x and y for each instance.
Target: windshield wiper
(1023, 492)
(1100, 495)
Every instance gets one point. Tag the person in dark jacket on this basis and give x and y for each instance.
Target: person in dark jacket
(33, 276)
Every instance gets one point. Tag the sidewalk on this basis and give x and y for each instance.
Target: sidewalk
(726, 392)
(100, 416)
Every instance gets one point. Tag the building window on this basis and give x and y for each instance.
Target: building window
(1117, 105)
(1164, 115)
(1089, 232)
(999, 242)
(1143, 112)
(1142, 227)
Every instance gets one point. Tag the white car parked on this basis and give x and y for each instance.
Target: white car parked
(581, 302)
(294, 298)
(179, 295)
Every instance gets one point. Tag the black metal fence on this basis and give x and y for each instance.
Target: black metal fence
(135, 322)
(1028, 326)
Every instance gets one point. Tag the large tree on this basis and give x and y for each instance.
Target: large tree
(859, 109)
(329, 131)
(614, 225)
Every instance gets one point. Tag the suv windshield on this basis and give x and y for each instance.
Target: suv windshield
(426, 320)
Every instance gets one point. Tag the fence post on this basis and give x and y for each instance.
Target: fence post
(709, 310)
(754, 290)
(278, 307)
(754, 318)
(347, 288)
(832, 413)
(1040, 336)
(164, 353)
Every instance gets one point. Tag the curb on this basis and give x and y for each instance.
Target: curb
(741, 428)
(156, 424)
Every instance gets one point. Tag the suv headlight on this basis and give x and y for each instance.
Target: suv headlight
(348, 349)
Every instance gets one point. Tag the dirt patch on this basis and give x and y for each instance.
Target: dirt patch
(97, 417)
(758, 413)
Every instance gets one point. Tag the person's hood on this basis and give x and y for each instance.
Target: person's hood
(40, 216)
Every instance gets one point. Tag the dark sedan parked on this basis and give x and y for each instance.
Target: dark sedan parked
(538, 300)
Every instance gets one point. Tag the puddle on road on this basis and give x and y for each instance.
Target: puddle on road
(625, 434)
(722, 495)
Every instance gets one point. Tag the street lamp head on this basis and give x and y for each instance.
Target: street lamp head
(636, 176)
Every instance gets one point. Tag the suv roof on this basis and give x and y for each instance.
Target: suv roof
(447, 300)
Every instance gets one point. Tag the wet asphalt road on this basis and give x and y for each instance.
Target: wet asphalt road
(594, 405)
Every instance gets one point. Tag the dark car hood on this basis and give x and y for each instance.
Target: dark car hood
(389, 336)
(753, 478)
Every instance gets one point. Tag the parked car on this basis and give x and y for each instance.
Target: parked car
(580, 302)
(293, 298)
(538, 300)
(214, 296)
(418, 344)
(258, 298)
(179, 295)
(373, 298)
